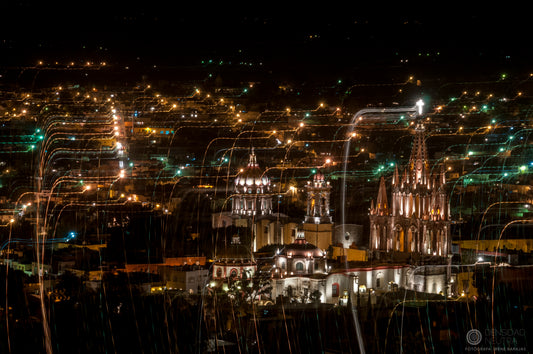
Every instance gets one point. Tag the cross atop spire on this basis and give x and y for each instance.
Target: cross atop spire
(419, 105)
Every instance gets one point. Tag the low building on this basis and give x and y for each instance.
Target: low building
(234, 261)
(191, 279)
(299, 272)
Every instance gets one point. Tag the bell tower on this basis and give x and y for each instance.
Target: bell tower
(318, 224)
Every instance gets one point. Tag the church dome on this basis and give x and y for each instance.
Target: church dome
(301, 248)
(252, 178)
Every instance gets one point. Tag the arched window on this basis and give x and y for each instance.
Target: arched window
(299, 267)
(233, 273)
(335, 290)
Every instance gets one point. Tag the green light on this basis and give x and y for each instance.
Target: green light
(392, 164)
(131, 164)
(502, 149)
(313, 171)
(470, 153)
(493, 121)
(523, 168)
(38, 130)
(511, 137)
(41, 137)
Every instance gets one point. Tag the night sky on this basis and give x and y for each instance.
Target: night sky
(333, 33)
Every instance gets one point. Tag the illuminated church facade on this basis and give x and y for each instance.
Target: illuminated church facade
(417, 218)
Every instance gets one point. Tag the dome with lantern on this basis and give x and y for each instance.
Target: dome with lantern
(252, 179)
(299, 258)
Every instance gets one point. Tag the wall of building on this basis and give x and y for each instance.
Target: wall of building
(223, 270)
(191, 281)
(525, 245)
(319, 235)
(350, 254)
(302, 288)
(380, 279)
(270, 231)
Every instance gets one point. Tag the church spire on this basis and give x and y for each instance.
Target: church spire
(382, 204)
(396, 178)
(419, 156)
(442, 177)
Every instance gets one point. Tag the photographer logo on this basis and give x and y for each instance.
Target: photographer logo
(473, 337)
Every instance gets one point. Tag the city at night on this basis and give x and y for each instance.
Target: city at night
(265, 178)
